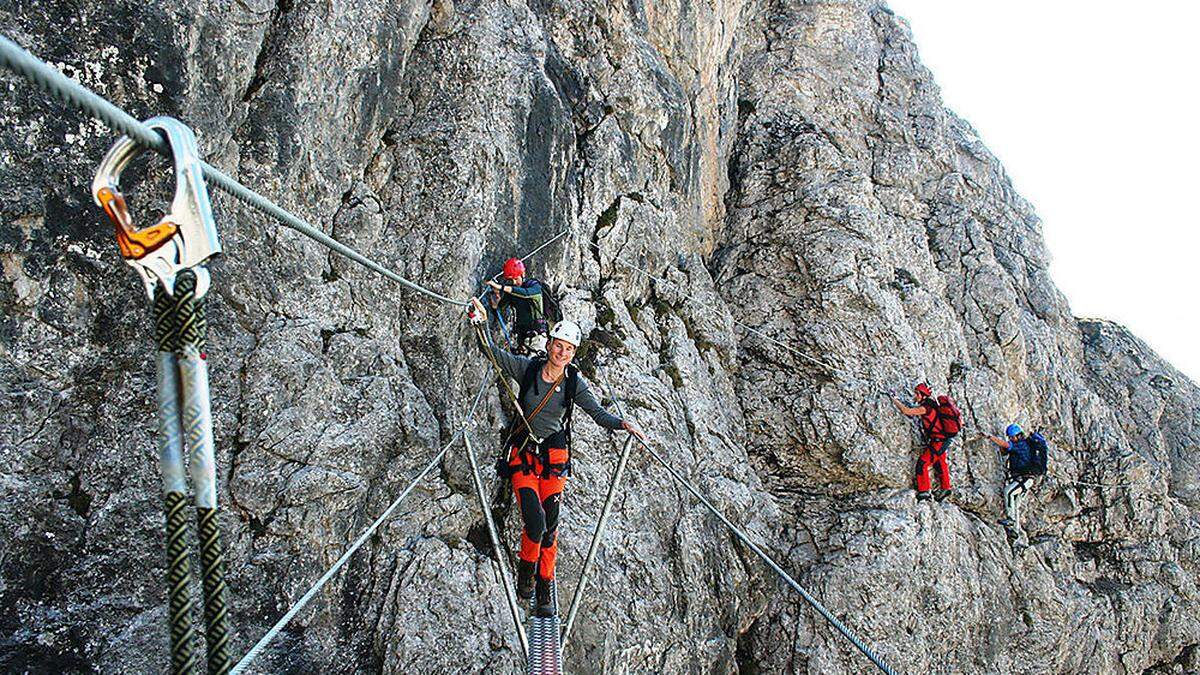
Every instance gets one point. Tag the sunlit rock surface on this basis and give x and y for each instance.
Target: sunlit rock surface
(784, 166)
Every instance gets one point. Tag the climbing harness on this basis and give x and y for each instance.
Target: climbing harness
(169, 256)
(257, 649)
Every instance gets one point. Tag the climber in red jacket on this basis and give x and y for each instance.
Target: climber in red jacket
(941, 422)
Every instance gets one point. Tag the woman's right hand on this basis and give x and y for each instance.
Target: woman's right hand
(478, 314)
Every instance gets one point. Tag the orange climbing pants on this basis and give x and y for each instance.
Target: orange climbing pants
(539, 496)
(935, 455)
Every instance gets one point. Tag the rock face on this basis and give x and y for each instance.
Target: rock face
(783, 166)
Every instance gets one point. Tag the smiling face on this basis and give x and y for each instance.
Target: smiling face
(561, 352)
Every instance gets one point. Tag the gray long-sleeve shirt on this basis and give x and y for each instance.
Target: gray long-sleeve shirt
(550, 420)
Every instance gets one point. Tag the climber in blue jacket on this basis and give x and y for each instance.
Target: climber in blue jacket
(1026, 455)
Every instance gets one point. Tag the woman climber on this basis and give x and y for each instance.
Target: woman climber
(539, 442)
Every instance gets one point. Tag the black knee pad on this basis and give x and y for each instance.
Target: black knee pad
(532, 514)
(551, 508)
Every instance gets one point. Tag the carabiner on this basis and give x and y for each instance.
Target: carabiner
(184, 238)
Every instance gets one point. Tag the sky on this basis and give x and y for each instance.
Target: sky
(1092, 109)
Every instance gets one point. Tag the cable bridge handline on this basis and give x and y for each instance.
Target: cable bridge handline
(745, 539)
(21, 62)
(256, 650)
(171, 138)
(505, 577)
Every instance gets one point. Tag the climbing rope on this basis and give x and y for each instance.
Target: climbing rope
(504, 329)
(49, 80)
(461, 432)
(197, 423)
(184, 411)
(745, 539)
(485, 338)
(170, 258)
(747, 327)
(299, 604)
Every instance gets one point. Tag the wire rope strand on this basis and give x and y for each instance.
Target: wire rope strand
(745, 539)
(49, 80)
(299, 604)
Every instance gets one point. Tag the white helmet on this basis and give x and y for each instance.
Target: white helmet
(567, 331)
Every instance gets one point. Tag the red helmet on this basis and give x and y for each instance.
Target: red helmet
(514, 268)
(924, 390)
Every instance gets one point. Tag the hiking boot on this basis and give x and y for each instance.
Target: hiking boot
(545, 603)
(942, 494)
(525, 579)
(923, 496)
(1006, 523)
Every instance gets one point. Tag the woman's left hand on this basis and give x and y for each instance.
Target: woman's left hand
(495, 286)
(633, 429)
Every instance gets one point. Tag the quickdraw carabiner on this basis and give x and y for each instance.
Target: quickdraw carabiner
(171, 255)
(187, 236)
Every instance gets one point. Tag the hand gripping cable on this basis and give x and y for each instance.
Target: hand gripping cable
(169, 256)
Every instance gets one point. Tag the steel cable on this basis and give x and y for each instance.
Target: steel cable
(49, 80)
(299, 604)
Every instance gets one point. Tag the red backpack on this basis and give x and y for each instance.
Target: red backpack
(948, 421)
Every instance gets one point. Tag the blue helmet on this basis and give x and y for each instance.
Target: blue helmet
(1012, 430)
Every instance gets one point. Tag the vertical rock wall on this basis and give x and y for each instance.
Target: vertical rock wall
(787, 166)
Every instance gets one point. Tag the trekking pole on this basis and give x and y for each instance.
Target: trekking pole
(169, 256)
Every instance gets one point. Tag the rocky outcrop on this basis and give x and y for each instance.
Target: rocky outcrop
(784, 166)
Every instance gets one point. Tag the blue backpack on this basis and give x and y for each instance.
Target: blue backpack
(1028, 457)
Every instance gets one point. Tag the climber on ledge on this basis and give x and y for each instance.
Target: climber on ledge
(941, 422)
(1026, 455)
(539, 457)
(525, 297)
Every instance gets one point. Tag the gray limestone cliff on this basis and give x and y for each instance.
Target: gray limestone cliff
(782, 165)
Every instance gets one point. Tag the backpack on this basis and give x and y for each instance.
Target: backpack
(948, 420)
(1039, 452)
(551, 307)
(1027, 457)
